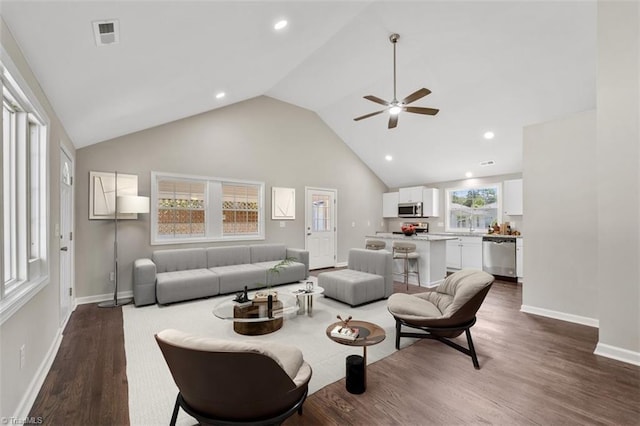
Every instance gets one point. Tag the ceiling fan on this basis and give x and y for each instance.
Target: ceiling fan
(394, 107)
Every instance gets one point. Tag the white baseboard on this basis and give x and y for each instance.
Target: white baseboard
(563, 316)
(102, 297)
(29, 397)
(617, 353)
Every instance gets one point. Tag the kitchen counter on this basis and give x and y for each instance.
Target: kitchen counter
(422, 237)
(473, 234)
(432, 261)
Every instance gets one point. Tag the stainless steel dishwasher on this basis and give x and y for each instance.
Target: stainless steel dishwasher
(499, 256)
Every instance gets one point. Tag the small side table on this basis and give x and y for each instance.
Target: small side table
(305, 299)
(369, 334)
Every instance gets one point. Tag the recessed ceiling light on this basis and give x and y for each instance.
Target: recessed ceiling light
(487, 163)
(220, 95)
(388, 157)
(468, 174)
(489, 135)
(280, 24)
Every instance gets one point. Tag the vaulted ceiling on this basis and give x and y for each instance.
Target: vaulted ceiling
(491, 65)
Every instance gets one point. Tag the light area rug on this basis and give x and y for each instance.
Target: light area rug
(152, 392)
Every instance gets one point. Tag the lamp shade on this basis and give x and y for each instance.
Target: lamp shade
(133, 204)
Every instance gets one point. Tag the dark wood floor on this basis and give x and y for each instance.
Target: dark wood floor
(534, 370)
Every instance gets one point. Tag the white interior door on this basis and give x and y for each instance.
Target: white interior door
(66, 236)
(321, 227)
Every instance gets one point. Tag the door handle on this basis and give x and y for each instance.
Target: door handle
(64, 248)
(308, 233)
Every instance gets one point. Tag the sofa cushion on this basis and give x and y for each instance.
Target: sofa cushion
(233, 278)
(180, 259)
(224, 256)
(267, 252)
(184, 285)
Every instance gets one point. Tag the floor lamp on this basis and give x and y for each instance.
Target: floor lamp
(123, 204)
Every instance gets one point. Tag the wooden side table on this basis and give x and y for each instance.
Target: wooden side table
(369, 334)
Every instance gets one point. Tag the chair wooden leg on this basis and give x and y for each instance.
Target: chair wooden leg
(472, 350)
(174, 417)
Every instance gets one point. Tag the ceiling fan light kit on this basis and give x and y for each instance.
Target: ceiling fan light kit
(395, 107)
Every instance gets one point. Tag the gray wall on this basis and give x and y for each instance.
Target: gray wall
(260, 139)
(37, 325)
(582, 197)
(560, 200)
(618, 178)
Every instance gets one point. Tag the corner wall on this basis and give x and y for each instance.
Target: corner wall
(560, 198)
(260, 139)
(618, 206)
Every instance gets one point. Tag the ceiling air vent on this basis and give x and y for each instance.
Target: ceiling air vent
(487, 163)
(106, 32)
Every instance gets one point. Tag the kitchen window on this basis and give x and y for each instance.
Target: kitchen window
(199, 209)
(472, 209)
(25, 269)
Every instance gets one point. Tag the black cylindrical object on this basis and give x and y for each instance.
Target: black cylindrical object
(355, 374)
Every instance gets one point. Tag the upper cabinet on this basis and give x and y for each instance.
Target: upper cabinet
(512, 197)
(390, 204)
(410, 195)
(430, 202)
(429, 197)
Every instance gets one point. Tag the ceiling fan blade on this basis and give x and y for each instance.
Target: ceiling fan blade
(377, 100)
(416, 95)
(393, 121)
(420, 110)
(368, 115)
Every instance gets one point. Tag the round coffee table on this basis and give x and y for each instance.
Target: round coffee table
(255, 318)
(369, 334)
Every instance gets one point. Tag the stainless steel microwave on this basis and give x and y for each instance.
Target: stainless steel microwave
(410, 209)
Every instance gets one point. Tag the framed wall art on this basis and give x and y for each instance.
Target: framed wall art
(283, 203)
(102, 194)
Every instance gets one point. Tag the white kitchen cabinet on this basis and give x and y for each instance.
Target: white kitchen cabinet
(519, 259)
(453, 254)
(464, 252)
(430, 202)
(411, 194)
(390, 204)
(512, 197)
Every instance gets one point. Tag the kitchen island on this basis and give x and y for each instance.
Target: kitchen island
(432, 261)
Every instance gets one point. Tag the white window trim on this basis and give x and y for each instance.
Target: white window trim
(447, 205)
(21, 295)
(211, 213)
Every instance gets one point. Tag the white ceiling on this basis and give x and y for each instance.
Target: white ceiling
(490, 66)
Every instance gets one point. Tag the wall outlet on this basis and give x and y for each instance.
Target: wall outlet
(368, 223)
(23, 357)
(283, 224)
(441, 224)
(353, 224)
(112, 276)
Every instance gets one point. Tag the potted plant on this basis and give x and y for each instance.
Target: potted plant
(263, 295)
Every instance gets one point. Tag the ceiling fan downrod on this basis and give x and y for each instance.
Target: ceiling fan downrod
(394, 39)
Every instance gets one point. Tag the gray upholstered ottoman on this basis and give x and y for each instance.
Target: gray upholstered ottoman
(366, 279)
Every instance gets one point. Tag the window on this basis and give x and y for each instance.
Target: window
(24, 193)
(195, 208)
(472, 209)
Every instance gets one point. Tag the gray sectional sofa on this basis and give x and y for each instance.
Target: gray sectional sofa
(183, 274)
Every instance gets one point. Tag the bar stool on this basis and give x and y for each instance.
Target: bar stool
(374, 244)
(407, 252)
